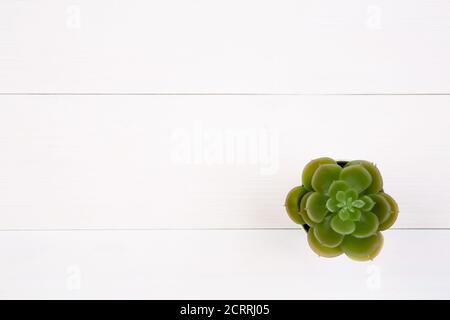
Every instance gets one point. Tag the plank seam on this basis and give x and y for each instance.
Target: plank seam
(191, 229)
(214, 94)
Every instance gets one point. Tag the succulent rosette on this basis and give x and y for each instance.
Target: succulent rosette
(343, 208)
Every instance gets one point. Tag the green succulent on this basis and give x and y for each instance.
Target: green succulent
(343, 208)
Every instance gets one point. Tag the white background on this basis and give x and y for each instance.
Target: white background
(146, 147)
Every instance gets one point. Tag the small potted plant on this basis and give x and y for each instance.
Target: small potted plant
(342, 207)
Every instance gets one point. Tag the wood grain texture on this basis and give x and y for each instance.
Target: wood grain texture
(206, 46)
(216, 265)
(209, 161)
(100, 189)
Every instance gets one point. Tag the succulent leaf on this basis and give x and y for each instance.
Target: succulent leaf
(357, 177)
(332, 205)
(344, 214)
(320, 249)
(340, 196)
(358, 204)
(303, 212)
(311, 168)
(382, 208)
(326, 235)
(377, 179)
(368, 203)
(316, 207)
(351, 195)
(394, 212)
(343, 227)
(355, 215)
(362, 249)
(366, 226)
(293, 204)
(324, 177)
(336, 186)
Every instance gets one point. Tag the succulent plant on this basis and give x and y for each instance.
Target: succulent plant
(343, 208)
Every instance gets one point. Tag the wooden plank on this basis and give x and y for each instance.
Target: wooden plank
(211, 46)
(264, 264)
(209, 161)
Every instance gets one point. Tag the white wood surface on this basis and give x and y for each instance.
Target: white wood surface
(143, 142)
(226, 264)
(209, 161)
(258, 46)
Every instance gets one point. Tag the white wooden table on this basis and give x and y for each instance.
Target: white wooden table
(146, 147)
